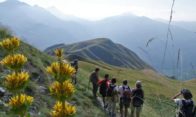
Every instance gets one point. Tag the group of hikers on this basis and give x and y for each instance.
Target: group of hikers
(128, 97)
(133, 98)
(111, 94)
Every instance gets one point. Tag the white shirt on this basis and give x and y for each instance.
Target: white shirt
(121, 91)
(179, 102)
(115, 88)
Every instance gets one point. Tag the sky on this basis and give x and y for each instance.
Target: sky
(184, 10)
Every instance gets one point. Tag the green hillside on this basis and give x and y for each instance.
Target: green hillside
(158, 89)
(39, 82)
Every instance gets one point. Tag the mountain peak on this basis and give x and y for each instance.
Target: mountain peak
(101, 40)
(102, 49)
(13, 2)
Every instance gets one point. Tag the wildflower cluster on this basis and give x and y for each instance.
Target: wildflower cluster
(15, 61)
(21, 100)
(63, 110)
(10, 44)
(16, 81)
(62, 89)
(60, 71)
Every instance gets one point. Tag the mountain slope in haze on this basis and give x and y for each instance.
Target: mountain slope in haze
(191, 26)
(134, 32)
(42, 29)
(62, 16)
(188, 25)
(104, 50)
(38, 26)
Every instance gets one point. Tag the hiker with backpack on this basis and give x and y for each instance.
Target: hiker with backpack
(94, 79)
(186, 107)
(112, 95)
(103, 86)
(137, 100)
(125, 98)
(74, 64)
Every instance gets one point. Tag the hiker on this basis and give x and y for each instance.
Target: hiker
(112, 95)
(103, 86)
(125, 98)
(186, 107)
(94, 78)
(137, 99)
(74, 64)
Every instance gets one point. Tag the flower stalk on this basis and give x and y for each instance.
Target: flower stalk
(16, 81)
(61, 89)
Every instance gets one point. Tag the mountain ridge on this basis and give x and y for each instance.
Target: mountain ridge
(42, 29)
(102, 49)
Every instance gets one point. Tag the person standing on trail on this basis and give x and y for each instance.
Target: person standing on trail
(94, 78)
(103, 86)
(137, 99)
(112, 95)
(125, 98)
(186, 107)
(74, 64)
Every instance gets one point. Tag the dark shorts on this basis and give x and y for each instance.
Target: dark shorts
(125, 103)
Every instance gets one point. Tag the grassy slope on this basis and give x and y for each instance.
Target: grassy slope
(37, 61)
(158, 90)
(36, 66)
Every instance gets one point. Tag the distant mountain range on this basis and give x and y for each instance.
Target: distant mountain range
(102, 49)
(42, 28)
(37, 25)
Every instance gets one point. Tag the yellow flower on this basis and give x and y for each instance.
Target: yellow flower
(14, 61)
(16, 81)
(61, 71)
(63, 110)
(59, 52)
(10, 44)
(62, 90)
(20, 101)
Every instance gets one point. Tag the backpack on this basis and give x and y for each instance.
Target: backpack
(137, 99)
(187, 110)
(194, 111)
(103, 88)
(110, 90)
(126, 95)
